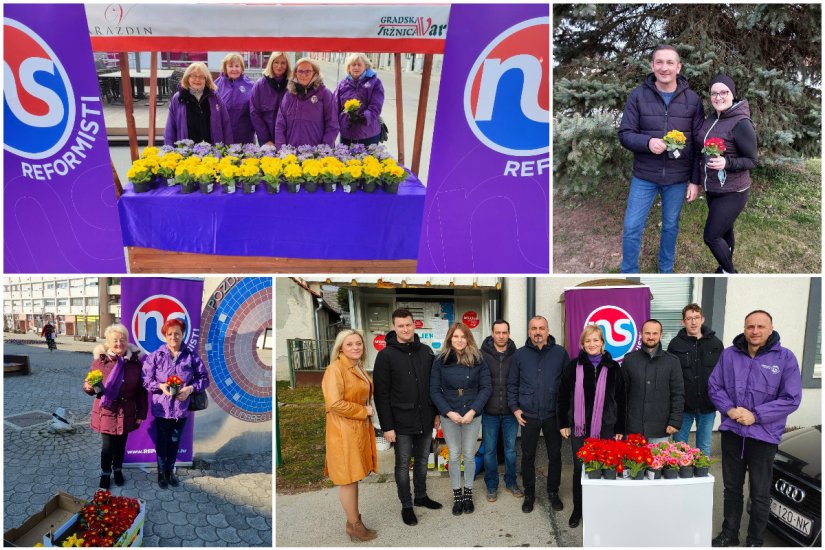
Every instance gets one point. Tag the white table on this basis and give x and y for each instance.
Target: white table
(647, 513)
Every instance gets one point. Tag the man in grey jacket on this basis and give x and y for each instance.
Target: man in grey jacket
(655, 388)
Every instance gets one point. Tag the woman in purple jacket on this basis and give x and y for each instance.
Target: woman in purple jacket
(307, 115)
(122, 406)
(361, 83)
(235, 89)
(266, 98)
(196, 112)
(170, 407)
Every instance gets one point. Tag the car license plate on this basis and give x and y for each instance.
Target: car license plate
(791, 518)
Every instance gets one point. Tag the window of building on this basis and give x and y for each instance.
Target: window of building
(50, 302)
(670, 295)
(62, 285)
(77, 301)
(92, 301)
(91, 282)
(27, 304)
(62, 302)
(76, 283)
(50, 285)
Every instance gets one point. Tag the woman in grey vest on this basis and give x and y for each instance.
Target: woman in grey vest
(726, 177)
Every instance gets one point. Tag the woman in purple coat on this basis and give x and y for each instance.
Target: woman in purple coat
(307, 115)
(235, 89)
(170, 405)
(196, 112)
(361, 83)
(267, 94)
(122, 406)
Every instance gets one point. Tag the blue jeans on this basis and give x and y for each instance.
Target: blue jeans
(642, 195)
(490, 425)
(169, 433)
(704, 429)
(461, 439)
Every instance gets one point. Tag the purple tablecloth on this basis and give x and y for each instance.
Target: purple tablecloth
(333, 226)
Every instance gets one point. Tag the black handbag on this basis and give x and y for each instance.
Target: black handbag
(385, 132)
(198, 401)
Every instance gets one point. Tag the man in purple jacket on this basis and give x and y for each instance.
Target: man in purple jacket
(756, 384)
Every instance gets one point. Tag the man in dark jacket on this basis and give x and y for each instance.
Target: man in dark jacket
(498, 350)
(698, 349)
(532, 388)
(663, 102)
(654, 386)
(402, 399)
(755, 385)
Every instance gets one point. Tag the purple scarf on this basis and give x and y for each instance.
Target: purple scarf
(111, 388)
(598, 403)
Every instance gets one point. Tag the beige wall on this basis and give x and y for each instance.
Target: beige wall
(294, 319)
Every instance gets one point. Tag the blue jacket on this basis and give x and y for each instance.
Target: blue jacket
(457, 388)
(533, 380)
(769, 385)
(646, 116)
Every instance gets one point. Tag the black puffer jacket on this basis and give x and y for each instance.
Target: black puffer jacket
(655, 392)
(646, 116)
(698, 357)
(613, 414)
(533, 379)
(499, 364)
(735, 127)
(402, 386)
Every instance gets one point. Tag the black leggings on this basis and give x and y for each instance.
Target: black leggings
(111, 455)
(723, 209)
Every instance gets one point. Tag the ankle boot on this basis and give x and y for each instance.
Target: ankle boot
(162, 481)
(358, 532)
(171, 479)
(105, 480)
(468, 501)
(370, 531)
(458, 502)
(119, 481)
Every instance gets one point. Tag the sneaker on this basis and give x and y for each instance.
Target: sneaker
(724, 540)
(492, 495)
(516, 491)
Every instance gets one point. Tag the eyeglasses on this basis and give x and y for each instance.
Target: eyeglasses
(690, 319)
(721, 95)
(309, 71)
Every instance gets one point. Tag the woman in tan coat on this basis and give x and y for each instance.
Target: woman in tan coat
(351, 453)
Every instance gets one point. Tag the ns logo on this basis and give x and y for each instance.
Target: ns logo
(619, 329)
(507, 93)
(38, 100)
(150, 316)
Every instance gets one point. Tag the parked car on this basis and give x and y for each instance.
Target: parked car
(796, 491)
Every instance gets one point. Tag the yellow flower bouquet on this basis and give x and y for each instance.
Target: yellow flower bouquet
(675, 141)
(95, 380)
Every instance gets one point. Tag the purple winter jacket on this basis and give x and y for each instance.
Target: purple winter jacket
(263, 107)
(235, 95)
(370, 92)
(769, 385)
(307, 120)
(219, 124)
(132, 402)
(159, 366)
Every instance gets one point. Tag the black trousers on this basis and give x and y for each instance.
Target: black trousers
(723, 209)
(169, 433)
(529, 442)
(112, 452)
(406, 446)
(756, 458)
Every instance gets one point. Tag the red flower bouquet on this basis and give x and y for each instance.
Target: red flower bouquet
(714, 147)
(175, 384)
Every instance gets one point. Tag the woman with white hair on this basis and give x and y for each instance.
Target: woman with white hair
(362, 125)
(122, 406)
(307, 115)
(196, 112)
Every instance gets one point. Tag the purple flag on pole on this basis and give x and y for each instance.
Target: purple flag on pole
(487, 205)
(60, 213)
(146, 304)
(619, 311)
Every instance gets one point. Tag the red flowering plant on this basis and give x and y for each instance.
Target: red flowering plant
(175, 384)
(104, 520)
(637, 456)
(589, 454)
(714, 147)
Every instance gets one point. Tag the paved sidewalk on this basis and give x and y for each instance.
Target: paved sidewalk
(222, 503)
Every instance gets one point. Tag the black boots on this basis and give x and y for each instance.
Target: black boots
(555, 501)
(162, 481)
(458, 502)
(105, 481)
(119, 481)
(408, 516)
(527, 505)
(171, 479)
(469, 508)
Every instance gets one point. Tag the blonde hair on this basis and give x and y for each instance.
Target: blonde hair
(272, 58)
(339, 343)
(353, 57)
(115, 328)
(230, 58)
(588, 330)
(198, 66)
(470, 355)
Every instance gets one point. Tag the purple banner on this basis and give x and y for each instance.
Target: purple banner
(619, 311)
(60, 212)
(147, 303)
(487, 206)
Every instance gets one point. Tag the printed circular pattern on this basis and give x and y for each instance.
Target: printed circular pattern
(232, 321)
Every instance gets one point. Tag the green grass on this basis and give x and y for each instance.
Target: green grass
(302, 426)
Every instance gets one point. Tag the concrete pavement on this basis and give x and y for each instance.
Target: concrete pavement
(221, 503)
